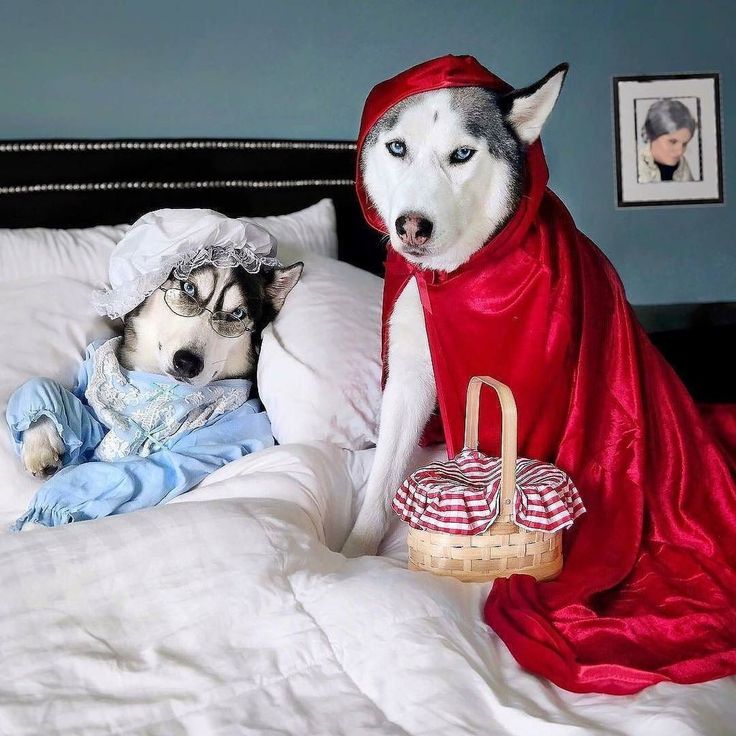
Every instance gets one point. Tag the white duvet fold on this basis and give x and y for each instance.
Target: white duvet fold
(225, 613)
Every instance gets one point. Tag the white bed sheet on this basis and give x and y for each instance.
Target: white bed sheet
(226, 613)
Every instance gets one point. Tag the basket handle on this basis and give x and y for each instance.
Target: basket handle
(508, 429)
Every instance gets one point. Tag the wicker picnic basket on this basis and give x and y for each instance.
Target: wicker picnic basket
(504, 549)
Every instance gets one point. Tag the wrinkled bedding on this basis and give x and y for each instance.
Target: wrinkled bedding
(226, 612)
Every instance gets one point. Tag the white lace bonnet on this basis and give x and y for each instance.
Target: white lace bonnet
(179, 240)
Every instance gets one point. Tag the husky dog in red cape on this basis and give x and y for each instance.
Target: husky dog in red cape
(444, 169)
(486, 274)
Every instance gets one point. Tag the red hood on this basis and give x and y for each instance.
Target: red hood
(444, 72)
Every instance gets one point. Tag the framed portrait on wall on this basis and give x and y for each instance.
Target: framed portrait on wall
(668, 140)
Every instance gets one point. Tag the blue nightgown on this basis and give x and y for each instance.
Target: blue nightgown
(132, 439)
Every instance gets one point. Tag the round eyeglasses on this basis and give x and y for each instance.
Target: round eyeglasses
(226, 324)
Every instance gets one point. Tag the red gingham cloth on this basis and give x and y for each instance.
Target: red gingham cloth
(461, 496)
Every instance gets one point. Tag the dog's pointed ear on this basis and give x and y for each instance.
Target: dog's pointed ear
(527, 109)
(282, 282)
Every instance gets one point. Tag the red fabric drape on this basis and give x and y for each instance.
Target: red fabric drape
(648, 591)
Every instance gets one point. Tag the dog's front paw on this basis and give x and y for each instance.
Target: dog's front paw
(42, 448)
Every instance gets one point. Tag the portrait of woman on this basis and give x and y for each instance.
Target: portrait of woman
(668, 129)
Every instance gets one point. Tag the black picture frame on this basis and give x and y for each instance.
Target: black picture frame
(627, 203)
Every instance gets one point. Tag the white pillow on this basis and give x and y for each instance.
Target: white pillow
(83, 253)
(319, 372)
(311, 230)
(45, 253)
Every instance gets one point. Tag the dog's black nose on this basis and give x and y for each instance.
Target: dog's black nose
(187, 364)
(413, 228)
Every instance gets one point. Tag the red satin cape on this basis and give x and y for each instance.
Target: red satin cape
(648, 591)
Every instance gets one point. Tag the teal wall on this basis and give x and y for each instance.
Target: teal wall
(99, 68)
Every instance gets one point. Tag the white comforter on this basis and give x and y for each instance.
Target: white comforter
(226, 613)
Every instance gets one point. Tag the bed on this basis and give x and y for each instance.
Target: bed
(230, 610)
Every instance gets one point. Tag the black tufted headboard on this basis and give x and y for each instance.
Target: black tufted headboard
(80, 183)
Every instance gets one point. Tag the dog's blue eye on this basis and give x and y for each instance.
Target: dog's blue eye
(189, 288)
(461, 155)
(397, 148)
(238, 313)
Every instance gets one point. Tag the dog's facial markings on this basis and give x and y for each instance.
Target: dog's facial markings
(387, 122)
(436, 177)
(157, 340)
(482, 118)
(450, 163)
